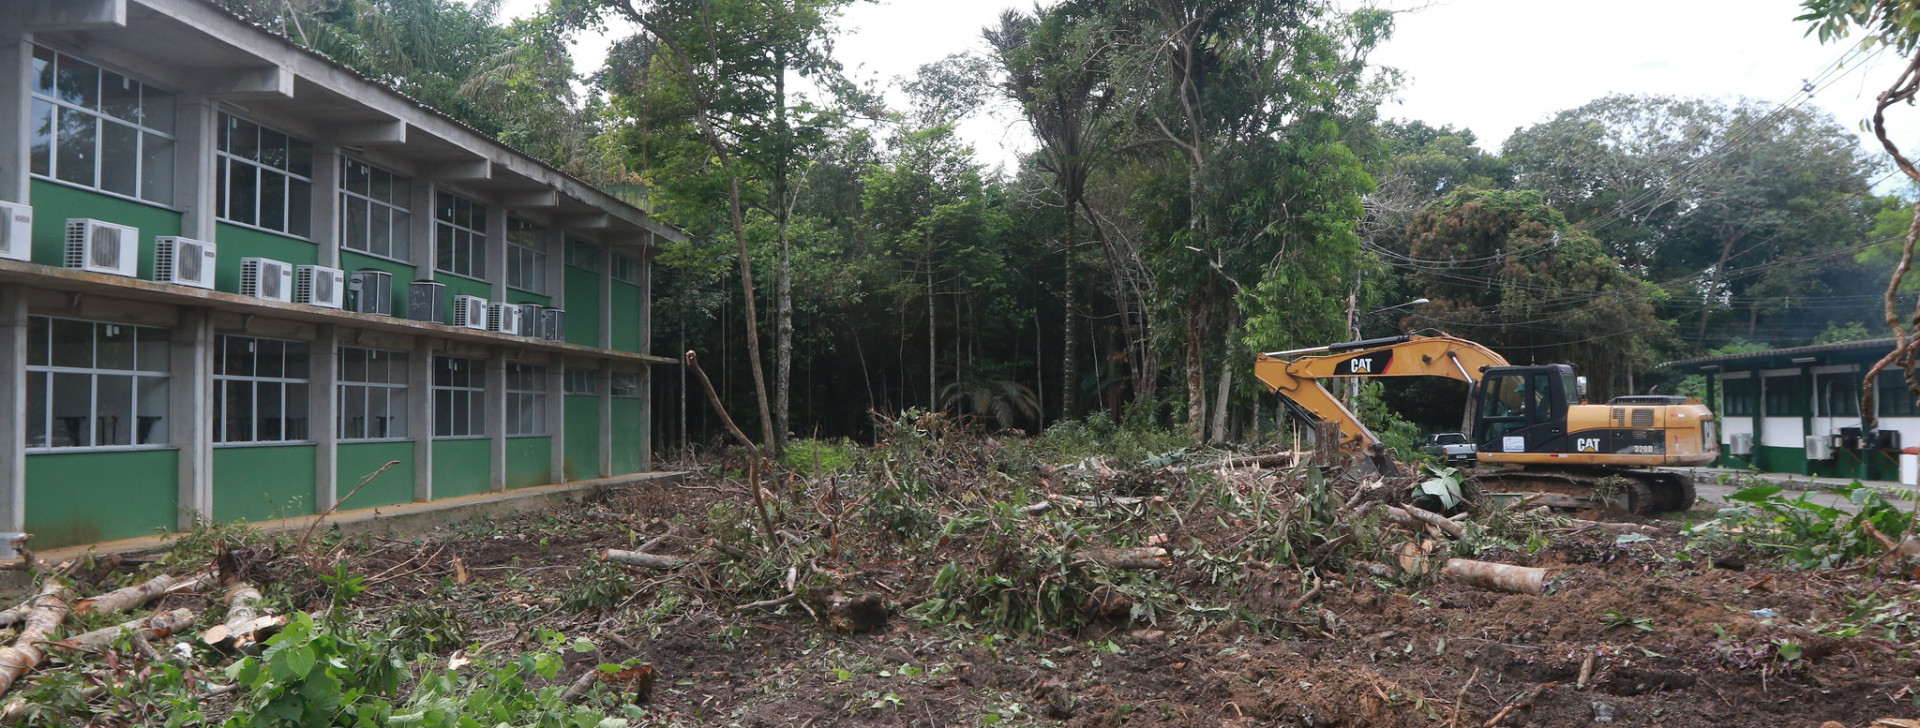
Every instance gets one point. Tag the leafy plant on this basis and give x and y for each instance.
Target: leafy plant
(1810, 534)
(1615, 618)
(1443, 488)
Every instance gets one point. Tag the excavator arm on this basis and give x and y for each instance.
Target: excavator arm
(1295, 376)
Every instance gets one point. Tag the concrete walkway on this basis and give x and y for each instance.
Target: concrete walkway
(1713, 484)
(404, 517)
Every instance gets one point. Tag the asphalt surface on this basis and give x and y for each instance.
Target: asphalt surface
(1708, 483)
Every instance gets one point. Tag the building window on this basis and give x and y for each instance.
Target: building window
(373, 394)
(260, 390)
(583, 255)
(1786, 396)
(374, 215)
(1738, 398)
(626, 269)
(526, 399)
(1893, 397)
(460, 236)
(459, 397)
(96, 384)
(1839, 396)
(526, 256)
(625, 385)
(100, 130)
(263, 178)
(584, 382)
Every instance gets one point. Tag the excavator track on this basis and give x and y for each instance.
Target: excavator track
(1638, 492)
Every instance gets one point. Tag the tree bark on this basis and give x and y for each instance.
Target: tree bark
(1197, 305)
(121, 600)
(783, 266)
(1497, 577)
(1147, 557)
(1070, 332)
(161, 625)
(650, 561)
(50, 608)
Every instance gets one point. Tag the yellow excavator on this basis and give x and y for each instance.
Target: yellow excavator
(1532, 430)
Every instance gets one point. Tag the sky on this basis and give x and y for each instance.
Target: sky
(1487, 65)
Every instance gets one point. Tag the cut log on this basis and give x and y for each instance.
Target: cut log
(126, 599)
(16, 614)
(244, 624)
(1147, 557)
(161, 625)
(49, 609)
(1409, 515)
(1497, 577)
(651, 561)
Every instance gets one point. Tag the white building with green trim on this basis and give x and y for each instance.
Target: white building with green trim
(236, 277)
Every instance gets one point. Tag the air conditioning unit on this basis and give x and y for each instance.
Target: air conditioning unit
(506, 318)
(1888, 440)
(553, 324)
(318, 285)
(370, 290)
(470, 312)
(1741, 444)
(426, 301)
(16, 231)
(1819, 447)
(183, 261)
(102, 247)
(266, 278)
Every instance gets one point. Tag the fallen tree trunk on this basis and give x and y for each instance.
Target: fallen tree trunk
(1410, 515)
(49, 609)
(125, 599)
(1582, 525)
(1146, 557)
(651, 561)
(244, 622)
(1497, 577)
(161, 625)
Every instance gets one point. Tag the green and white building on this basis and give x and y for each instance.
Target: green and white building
(1797, 410)
(236, 277)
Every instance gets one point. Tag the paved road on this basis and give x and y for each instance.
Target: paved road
(1707, 484)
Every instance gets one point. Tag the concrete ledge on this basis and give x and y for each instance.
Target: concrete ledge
(405, 517)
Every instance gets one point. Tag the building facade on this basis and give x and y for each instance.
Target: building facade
(236, 278)
(1797, 410)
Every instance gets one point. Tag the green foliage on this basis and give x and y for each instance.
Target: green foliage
(1840, 332)
(814, 458)
(1811, 535)
(1442, 489)
(598, 584)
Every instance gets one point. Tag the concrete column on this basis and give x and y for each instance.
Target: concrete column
(420, 416)
(605, 436)
(16, 106)
(323, 399)
(557, 267)
(191, 385)
(646, 347)
(193, 185)
(13, 407)
(556, 405)
(497, 252)
(420, 230)
(646, 417)
(326, 202)
(496, 422)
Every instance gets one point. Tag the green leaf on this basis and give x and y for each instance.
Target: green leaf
(583, 645)
(1755, 494)
(293, 663)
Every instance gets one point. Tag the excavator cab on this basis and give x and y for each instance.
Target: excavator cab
(1518, 408)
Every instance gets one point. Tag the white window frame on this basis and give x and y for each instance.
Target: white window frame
(526, 400)
(294, 186)
(454, 243)
(222, 380)
(526, 257)
(399, 215)
(582, 382)
(471, 388)
(92, 422)
(152, 186)
(393, 391)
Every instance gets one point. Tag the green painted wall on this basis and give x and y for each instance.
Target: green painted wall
(80, 498)
(461, 467)
(1781, 459)
(354, 461)
(514, 296)
(402, 275)
(457, 286)
(583, 307)
(626, 436)
(54, 203)
(626, 317)
(583, 438)
(262, 483)
(236, 242)
(529, 461)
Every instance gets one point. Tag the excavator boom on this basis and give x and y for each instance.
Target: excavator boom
(1297, 379)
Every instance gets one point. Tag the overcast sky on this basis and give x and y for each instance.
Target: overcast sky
(1487, 65)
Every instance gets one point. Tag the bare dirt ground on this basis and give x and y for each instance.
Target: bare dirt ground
(1281, 600)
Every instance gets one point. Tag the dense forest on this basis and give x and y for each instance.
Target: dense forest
(1211, 178)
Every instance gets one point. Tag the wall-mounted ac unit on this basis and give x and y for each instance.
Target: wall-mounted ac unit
(470, 312)
(1888, 440)
(553, 324)
(16, 231)
(426, 301)
(1819, 447)
(102, 247)
(183, 261)
(505, 318)
(370, 290)
(1741, 443)
(319, 285)
(266, 278)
